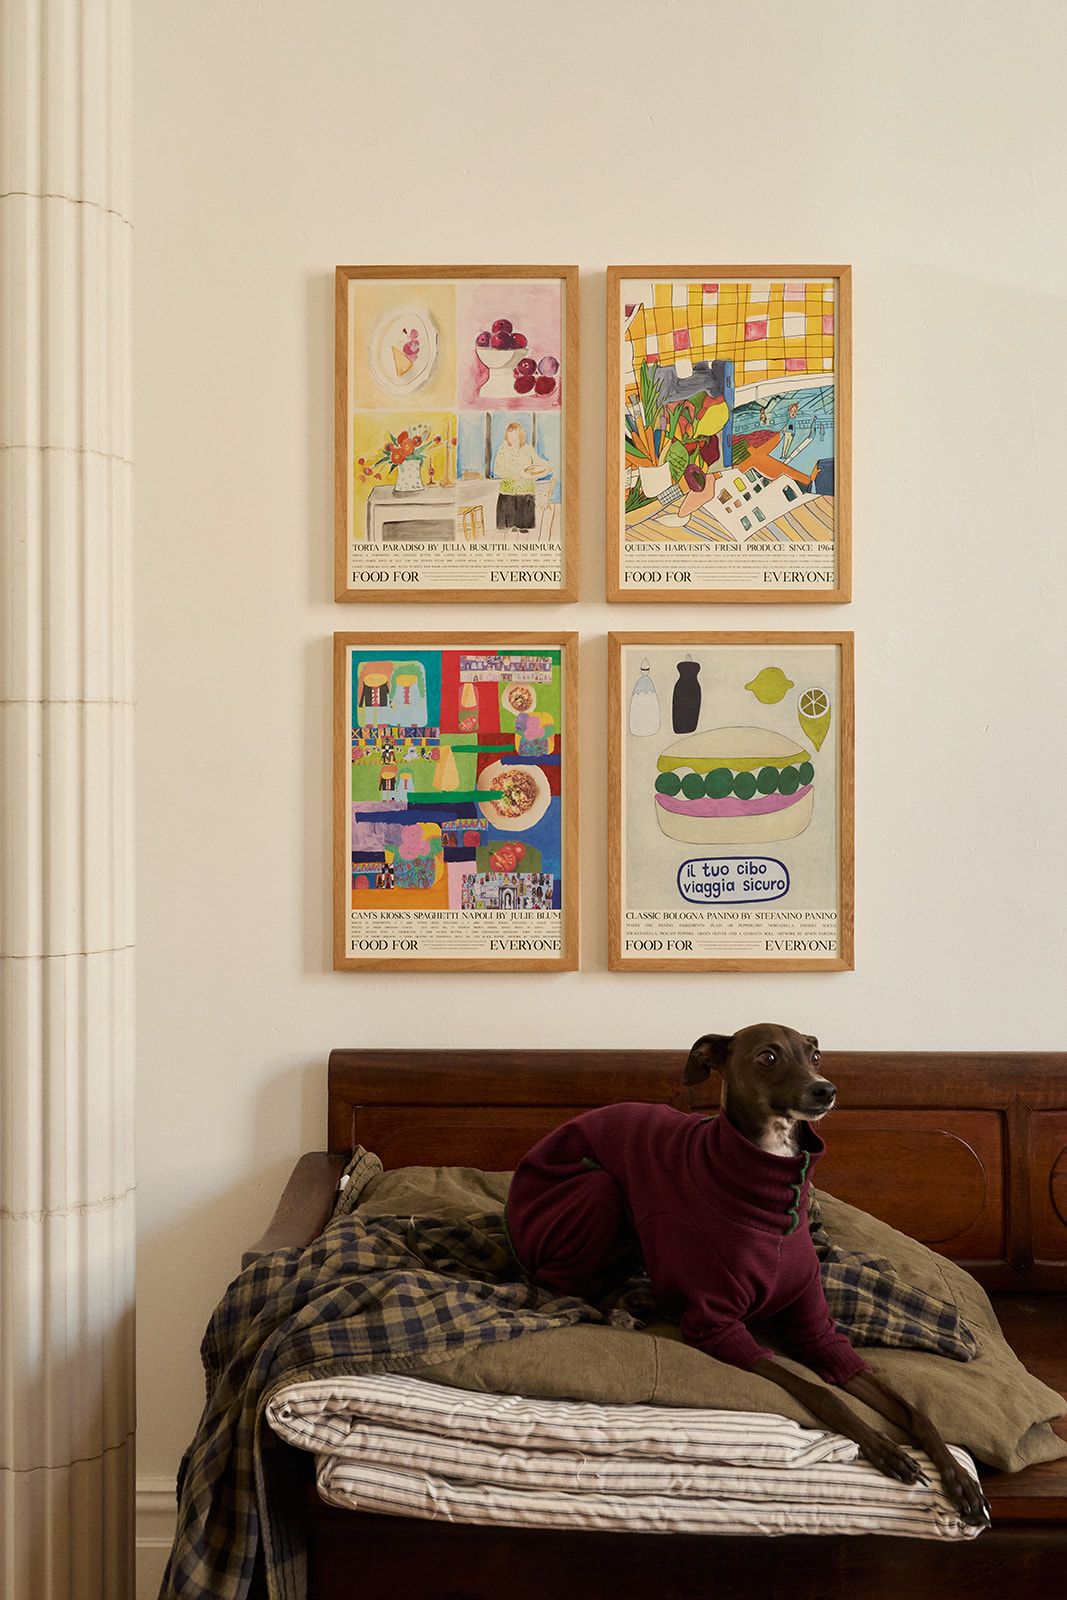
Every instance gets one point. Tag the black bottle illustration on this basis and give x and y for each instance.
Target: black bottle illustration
(685, 706)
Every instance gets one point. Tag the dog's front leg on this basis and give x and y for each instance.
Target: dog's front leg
(962, 1490)
(827, 1407)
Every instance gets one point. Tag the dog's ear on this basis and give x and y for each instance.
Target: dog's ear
(707, 1054)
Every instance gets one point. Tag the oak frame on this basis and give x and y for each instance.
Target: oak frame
(798, 585)
(842, 722)
(412, 589)
(566, 643)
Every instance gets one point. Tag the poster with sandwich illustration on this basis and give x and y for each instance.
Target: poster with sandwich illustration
(731, 817)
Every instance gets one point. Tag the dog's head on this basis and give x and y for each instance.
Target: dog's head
(768, 1071)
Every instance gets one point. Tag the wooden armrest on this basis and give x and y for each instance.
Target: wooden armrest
(305, 1206)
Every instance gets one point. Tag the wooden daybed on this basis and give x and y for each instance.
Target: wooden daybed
(966, 1152)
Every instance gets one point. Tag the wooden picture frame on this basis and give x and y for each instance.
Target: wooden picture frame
(731, 815)
(456, 802)
(729, 434)
(456, 433)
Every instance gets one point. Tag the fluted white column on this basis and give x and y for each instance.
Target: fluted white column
(66, 900)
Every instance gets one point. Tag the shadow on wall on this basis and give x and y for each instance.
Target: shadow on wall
(184, 1267)
(317, 819)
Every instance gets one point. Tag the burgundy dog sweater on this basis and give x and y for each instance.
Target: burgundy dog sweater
(722, 1226)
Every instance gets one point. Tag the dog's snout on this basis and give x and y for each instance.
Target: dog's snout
(823, 1092)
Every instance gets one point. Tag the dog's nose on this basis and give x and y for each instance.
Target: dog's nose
(823, 1092)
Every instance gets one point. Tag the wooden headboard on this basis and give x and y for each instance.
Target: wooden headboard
(967, 1152)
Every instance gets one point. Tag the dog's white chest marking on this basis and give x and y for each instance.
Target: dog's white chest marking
(780, 1137)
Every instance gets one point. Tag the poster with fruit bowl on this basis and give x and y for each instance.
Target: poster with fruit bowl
(729, 436)
(730, 824)
(455, 802)
(456, 433)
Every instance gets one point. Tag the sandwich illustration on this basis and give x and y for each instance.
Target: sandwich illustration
(734, 786)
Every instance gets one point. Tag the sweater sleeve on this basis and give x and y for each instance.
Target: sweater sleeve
(808, 1325)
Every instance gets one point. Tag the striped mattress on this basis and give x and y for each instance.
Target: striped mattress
(405, 1447)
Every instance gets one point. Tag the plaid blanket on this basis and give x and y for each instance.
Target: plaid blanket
(389, 1294)
(867, 1297)
(370, 1295)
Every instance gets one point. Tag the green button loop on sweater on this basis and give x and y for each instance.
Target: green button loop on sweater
(794, 1209)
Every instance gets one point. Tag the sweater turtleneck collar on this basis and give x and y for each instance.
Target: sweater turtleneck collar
(769, 1191)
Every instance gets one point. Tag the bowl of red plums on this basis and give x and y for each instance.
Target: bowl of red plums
(503, 348)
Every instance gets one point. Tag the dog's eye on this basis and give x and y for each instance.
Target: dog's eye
(767, 1058)
(815, 1058)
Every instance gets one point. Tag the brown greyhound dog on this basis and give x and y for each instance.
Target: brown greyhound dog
(718, 1208)
(771, 1083)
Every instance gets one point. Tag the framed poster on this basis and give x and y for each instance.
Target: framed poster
(729, 433)
(456, 433)
(731, 817)
(455, 802)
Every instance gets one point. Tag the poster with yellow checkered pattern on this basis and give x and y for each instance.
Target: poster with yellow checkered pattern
(729, 433)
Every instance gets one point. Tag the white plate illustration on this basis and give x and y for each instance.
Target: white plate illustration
(520, 697)
(525, 796)
(403, 350)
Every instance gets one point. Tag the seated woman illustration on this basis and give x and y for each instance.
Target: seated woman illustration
(517, 466)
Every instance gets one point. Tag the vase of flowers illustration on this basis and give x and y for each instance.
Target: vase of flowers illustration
(407, 452)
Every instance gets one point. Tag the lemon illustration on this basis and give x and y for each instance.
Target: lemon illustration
(770, 685)
(813, 714)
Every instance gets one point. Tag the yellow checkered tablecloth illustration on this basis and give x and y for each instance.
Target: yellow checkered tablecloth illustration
(767, 348)
(768, 328)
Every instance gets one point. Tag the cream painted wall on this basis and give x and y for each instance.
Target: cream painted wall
(923, 143)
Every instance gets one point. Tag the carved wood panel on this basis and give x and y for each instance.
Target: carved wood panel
(1048, 1184)
(883, 1161)
(491, 1137)
(966, 1151)
(876, 1160)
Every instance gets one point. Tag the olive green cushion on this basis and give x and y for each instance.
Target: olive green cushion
(990, 1405)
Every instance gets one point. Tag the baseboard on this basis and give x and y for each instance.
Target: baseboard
(155, 1518)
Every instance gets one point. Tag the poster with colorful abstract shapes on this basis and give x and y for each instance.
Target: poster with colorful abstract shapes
(729, 443)
(731, 822)
(456, 421)
(455, 801)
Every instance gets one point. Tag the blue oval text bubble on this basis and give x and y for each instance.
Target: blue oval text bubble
(732, 880)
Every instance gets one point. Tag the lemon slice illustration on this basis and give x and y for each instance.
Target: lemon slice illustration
(813, 714)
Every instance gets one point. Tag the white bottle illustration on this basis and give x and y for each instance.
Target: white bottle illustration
(644, 704)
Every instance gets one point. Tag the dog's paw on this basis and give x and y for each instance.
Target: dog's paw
(622, 1319)
(964, 1494)
(891, 1460)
